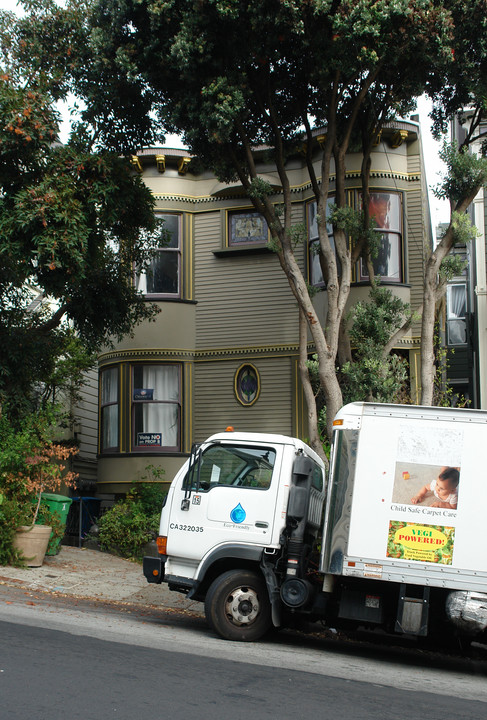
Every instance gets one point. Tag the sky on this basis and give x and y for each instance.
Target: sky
(433, 166)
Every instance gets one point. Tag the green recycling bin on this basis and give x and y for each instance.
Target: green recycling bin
(59, 505)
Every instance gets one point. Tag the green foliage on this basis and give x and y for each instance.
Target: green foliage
(218, 71)
(463, 230)
(375, 379)
(372, 376)
(374, 321)
(29, 464)
(9, 522)
(260, 188)
(127, 527)
(465, 174)
(70, 216)
(150, 495)
(463, 84)
(354, 223)
(452, 266)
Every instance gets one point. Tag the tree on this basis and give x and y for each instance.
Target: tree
(464, 88)
(231, 76)
(466, 174)
(70, 216)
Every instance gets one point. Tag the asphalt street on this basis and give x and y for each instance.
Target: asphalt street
(85, 636)
(48, 674)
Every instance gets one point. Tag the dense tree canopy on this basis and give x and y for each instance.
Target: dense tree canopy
(230, 76)
(70, 215)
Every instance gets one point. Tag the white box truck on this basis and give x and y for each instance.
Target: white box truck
(396, 541)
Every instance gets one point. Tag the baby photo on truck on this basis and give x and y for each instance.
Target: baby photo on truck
(429, 485)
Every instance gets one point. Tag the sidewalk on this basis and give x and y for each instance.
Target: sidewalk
(94, 575)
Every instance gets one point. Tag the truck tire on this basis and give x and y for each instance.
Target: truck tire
(237, 606)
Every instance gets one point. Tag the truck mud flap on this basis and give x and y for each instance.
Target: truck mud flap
(153, 568)
(273, 590)
(413, 610)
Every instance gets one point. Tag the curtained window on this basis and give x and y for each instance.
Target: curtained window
(315, 273)
(156, 407)
(385, 209)
(456, 306)
(109, 409)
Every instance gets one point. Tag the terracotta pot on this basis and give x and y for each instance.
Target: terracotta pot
(32, 541)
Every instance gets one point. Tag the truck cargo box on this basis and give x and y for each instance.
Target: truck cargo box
(383, 457)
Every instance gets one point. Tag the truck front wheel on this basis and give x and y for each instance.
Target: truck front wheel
(237, 606)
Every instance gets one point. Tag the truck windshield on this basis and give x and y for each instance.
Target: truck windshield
(235, 466)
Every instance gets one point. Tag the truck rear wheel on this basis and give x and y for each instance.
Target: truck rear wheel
(237, 606)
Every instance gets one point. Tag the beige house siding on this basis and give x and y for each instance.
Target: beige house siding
(419, 227)
(216, 406)
(242, 300)
(86, 431)
(415, 233)
(245, 310)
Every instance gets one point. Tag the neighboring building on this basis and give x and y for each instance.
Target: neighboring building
(466, 301)
(224, 348)
(458, 330)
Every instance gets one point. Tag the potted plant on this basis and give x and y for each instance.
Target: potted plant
(30, 464)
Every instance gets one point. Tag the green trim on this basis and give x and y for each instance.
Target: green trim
(187, 391)
(299, 417)
(204, 355)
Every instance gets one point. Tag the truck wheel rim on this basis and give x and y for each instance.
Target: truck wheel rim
(242, 606)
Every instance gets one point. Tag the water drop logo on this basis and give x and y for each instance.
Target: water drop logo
(238, 514)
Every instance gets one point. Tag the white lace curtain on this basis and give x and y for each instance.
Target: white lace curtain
(162, 417)
(109, 394)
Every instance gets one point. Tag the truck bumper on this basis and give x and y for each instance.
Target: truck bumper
(153, 568)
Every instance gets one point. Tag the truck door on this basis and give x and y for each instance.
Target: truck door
(230, 496)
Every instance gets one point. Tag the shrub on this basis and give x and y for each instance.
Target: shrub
(30, 464)
(133, 522)
(9, 514)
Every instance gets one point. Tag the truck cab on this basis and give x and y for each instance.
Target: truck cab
(236, 520)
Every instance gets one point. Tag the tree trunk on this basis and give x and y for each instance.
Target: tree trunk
(314, 438)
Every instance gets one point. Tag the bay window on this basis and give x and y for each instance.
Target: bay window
(385, 209)
(109, 416)
(162, 277)
(140, 408)
(315, 272)
(156, 407)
